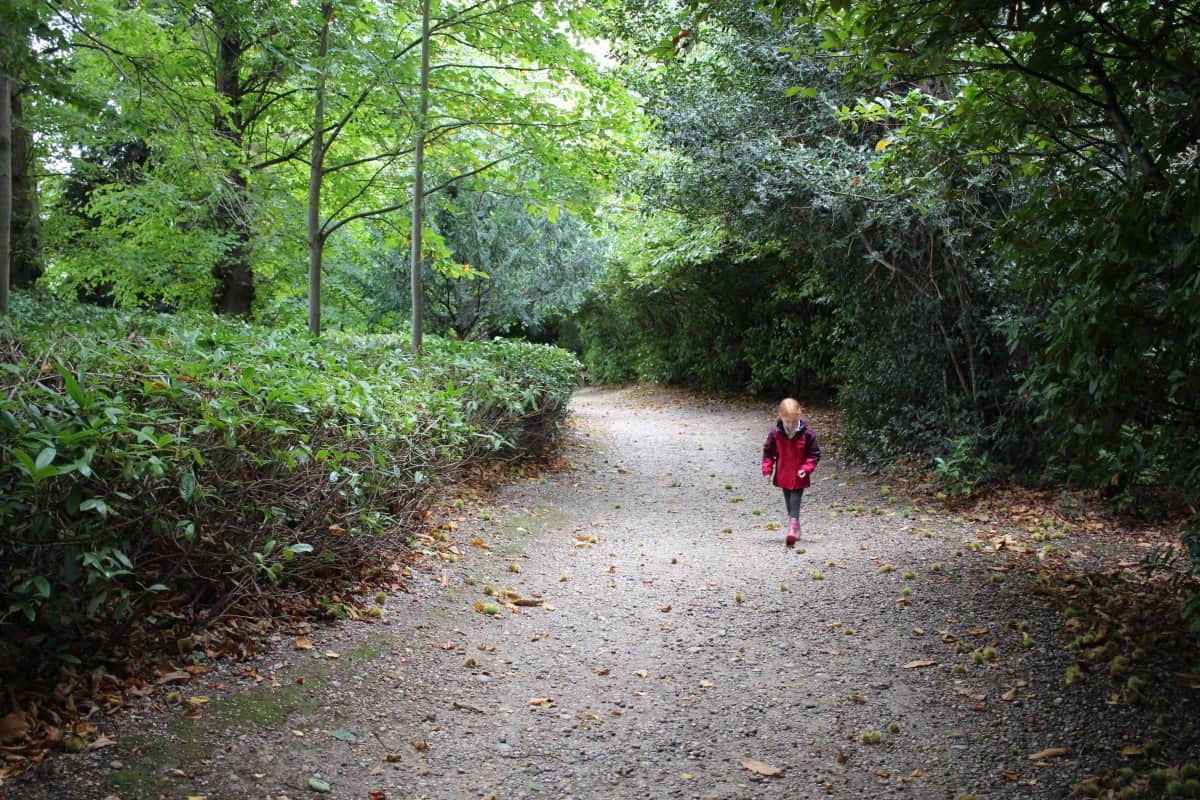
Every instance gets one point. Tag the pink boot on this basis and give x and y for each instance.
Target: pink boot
(793, 534)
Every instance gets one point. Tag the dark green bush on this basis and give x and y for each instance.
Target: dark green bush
(147, 456)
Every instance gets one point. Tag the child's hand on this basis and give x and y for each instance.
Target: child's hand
(801, 474)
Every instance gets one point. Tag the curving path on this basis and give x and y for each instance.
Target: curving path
(680, 651)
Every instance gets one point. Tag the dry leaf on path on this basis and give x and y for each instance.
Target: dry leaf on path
(919, 664)
(759, 768)
(302, 643)
(1010, 695)
(1049, 752)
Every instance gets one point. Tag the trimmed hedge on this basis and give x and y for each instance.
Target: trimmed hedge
(207, 463)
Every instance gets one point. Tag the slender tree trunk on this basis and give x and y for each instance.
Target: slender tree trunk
(25, 243)
(5, 188)
(316, 173)
(234, 292)
(418, 293)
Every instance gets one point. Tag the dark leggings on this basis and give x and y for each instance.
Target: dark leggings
(793, 497)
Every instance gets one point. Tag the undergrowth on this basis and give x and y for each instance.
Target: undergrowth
(159, 470)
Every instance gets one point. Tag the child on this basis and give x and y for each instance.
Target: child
(792, 452)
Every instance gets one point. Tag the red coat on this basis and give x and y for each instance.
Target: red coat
(788, 455)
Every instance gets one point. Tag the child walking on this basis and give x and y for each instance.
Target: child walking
(792, 452)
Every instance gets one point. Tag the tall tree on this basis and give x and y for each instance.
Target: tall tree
(26, 234)
(231, 20)
(418, 204)
(5, 187)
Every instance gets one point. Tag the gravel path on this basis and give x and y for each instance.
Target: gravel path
(679, 648)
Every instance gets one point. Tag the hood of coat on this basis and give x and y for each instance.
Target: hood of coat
(801, 426)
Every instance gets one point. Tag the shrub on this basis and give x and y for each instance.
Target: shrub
(207, 461)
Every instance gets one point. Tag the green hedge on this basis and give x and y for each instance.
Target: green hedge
(206, 462)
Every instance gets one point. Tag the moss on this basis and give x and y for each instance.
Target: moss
(137, 783)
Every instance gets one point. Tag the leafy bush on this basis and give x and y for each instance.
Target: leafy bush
(146, 456)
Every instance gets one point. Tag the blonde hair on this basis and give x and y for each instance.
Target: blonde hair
(789, 407)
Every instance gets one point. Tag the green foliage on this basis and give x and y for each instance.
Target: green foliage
(148, 454)
(501, 268)
(720, 325)
(963, 468)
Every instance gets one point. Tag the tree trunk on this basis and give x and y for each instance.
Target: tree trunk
(5, 187)
(26, 229)
(316, 173)
(418, 292)
(234, 292)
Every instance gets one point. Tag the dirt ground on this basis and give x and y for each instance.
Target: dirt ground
(674, 648)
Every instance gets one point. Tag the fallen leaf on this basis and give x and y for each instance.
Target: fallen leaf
(665, 609)
(479, 543)
(332, 655)
(392, 758)
(759, 768)
(1050, 752)
(978, 630)
(449, 646)
(881, 773)
(419, 744)
(302, 643)
(178, 676)
(13, 727)
(376, 796)
(641, 673)
(1010, 695)
(920, 664)
(541, 702)
(1131, 750)
(602, 671)
(842, 757)
(1011, 775)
